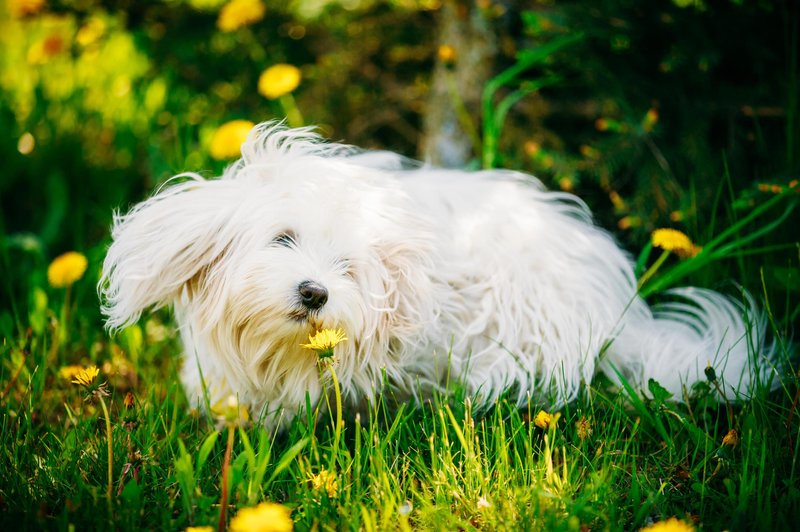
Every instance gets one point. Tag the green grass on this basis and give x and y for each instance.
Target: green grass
(440, 465)
(613, 461)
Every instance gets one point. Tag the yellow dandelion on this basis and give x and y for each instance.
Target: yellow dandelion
(278, 80)
(90, 32)
(731, 438)
(230, 412)
(324, 481)
(66, 269)
(240, 13)
(266, 517)
(24, 8)
(226, 143)
(675, 241)
(324, 340)
(199, 529)
(544, 420)
(446, 54)
(85, 377)
(672, 524)
(70, 372)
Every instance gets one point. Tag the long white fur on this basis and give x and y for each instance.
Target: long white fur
(482, 276)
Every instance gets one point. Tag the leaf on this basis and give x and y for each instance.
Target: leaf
(644, 256)
(132, 497)
(205, 450)
(660, 394)
(641, 408)
(287, 458)
(184, 472)
(264, 454)
(789, 278)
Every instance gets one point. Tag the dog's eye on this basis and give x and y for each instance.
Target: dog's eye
(346, 267)
(285, 239)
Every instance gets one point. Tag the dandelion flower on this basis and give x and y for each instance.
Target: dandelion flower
(324, 481)
(543, 420)
(86, 377)
(231, 412)
(23, 8)
(674, 240)
(278, 80)
(70, 372)
(731, 438)
(670, 525)
(199, 529)
(90, 32)
(66, 269)
(226, 143)
(240, 13)
(266, 517)
(446, 54)
(324, 340)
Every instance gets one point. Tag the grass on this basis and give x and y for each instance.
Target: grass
(612, 461)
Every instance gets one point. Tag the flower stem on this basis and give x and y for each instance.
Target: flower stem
(62, 336)
(293, 116)
(110, 451)
(339, 423)
(226, 463)
(651, 271)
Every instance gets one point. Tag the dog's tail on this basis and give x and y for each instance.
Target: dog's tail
(679, 341)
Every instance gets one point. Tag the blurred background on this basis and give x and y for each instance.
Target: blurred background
(651, 110)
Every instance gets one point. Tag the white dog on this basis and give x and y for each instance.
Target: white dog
(481, 276)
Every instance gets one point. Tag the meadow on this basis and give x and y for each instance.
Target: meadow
(651, 112)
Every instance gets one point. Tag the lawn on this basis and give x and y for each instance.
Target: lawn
(648, 110)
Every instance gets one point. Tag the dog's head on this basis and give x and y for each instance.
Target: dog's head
(294, 237)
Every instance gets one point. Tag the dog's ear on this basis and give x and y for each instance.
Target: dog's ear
(164, 243)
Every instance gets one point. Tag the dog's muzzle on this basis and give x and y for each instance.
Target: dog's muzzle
(312, 295)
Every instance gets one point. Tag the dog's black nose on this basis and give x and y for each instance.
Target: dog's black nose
(312, 295)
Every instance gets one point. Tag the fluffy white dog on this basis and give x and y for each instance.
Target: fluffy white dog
(481, 276)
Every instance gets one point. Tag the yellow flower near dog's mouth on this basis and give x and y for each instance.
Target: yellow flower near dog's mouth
(324, 340)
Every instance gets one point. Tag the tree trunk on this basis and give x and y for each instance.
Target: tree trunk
(468, 47)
